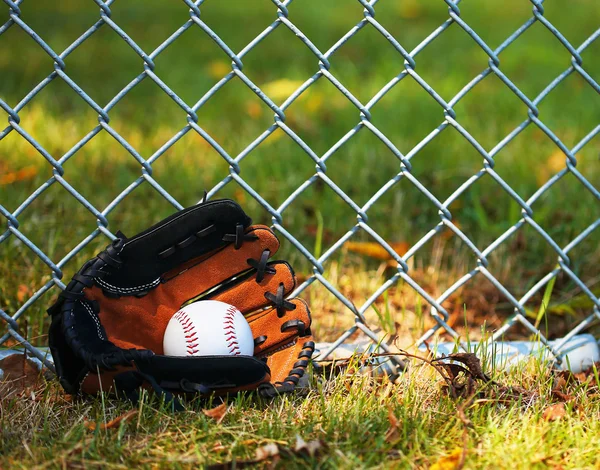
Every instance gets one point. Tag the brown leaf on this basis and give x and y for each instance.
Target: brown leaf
(20, 374)
(113, 423)
(472, 363)
(310, 448)
(567, 382)
(462, 385)
(563, 397)
(513, 394)
(375, 250)
(217, 413)
(393, 433)
(554, 412)
(581, 376)
(559, 383)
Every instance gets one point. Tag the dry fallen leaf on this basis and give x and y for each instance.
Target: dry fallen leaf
(20, 374)
(393, 433)
(375, 250)
(563, 397)
(566, 383)
(113, 423)
(554, 412)
(448, 462)
(581, 376)
(462, 380)
(472, 363)
(217, 413)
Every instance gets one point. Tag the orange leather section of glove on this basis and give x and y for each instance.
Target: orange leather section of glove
(249, 295)
(267, 323)
(281, 347)
(282, 362)
(140, 322)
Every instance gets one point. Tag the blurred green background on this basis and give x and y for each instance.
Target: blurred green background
(57, 118)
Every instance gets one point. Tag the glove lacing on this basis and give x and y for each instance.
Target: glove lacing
(239, 237)
(270, 390)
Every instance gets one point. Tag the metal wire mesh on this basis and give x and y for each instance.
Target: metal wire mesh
(363, 111)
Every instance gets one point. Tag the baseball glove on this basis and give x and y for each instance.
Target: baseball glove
(108, 324)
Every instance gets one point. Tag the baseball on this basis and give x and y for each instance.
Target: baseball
(208, 328)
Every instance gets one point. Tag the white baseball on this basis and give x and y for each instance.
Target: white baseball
(208, 328)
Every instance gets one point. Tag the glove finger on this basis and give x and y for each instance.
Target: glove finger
(272, 332)
(289, 365)
(122, 317)
(190, 233)
(248, 295)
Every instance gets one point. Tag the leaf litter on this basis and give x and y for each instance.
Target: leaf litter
(464, 378)
(273, 452)
(217, 413)
(112, 424)
(21, 375)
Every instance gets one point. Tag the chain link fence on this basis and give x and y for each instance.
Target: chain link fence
(401, 271)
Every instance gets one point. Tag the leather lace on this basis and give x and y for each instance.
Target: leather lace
(239, 237)
(279, 302)
(261, 266)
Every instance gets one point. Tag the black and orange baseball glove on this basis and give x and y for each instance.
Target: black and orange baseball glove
(108, 324)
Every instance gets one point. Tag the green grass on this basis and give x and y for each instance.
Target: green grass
(42, 430)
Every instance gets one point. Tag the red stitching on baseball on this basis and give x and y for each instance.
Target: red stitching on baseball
(189, 332)
(230, 333)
